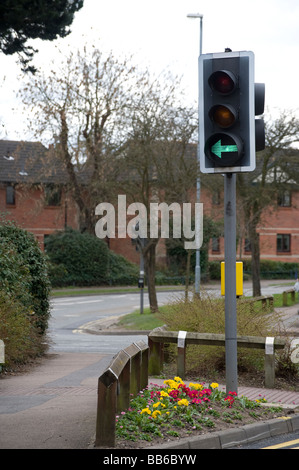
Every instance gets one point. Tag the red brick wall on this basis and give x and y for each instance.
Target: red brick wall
(275, 220)
(30, 213)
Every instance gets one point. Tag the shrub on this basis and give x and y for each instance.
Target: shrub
(207, 315)
(24, 272)
(83, 259)
(121, 271)
(18, 331)
(83, 256)
(268, 269)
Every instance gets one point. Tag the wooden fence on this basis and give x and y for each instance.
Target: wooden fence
(126, 375)
(285, 296)
(267, 301)
(158, 337)
(130, 368)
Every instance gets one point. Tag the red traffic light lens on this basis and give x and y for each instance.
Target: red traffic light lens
(223, 82)
(223, 116)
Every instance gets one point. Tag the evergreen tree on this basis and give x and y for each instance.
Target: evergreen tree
(21, 20)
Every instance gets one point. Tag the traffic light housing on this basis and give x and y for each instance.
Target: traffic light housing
(227, 108)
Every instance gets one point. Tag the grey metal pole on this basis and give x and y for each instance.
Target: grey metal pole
(141, 277)
(197, 253)
(141, 273)
(230, 282)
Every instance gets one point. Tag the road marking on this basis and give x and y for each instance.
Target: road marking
(79, 302)
(284, 444)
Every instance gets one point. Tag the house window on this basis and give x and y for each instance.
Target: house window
(283, 243)
(52, 195)
(215, 244)
(284, 198)
(10, 195)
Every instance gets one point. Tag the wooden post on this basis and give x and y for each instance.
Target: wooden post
(181, 359)
(143, 366)
(156, 352)
(108, 391)
(106, 410)
(134, 354)
(123, 388)
(269, 363)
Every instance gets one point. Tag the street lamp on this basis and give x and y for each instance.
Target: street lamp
(197, 265)
(200, 16)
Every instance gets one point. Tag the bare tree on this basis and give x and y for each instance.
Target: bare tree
(82, 108)
(156, 157)
(258, 190)
(114, 128)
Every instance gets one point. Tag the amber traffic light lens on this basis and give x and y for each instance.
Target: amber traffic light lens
(223, 81)
(223, 116)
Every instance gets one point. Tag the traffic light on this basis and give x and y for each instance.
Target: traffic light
(259, 105)
(227, 112)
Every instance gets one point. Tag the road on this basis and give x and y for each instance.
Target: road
(70, 313)
(286, 441)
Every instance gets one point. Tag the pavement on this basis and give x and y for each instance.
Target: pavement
(53, 406)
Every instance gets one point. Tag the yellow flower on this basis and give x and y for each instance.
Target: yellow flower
(183, 402)
(214, 385)
(196, 386)
(171, 384)
(155, 405)
(145, 410)
(156, 413)
(164, 394)
(178, 379)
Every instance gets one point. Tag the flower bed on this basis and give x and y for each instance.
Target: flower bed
(175, 410)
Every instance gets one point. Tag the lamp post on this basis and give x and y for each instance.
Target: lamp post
(197, 265)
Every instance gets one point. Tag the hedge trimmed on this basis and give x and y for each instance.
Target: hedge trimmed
(268, 269)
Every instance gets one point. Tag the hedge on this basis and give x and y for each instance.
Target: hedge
(24, 272)
(82, 259)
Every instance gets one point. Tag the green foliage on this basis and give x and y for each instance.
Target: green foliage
(176, 409)
(23, 272)
(121, 271)
(18, 331)
(278, 269)
(21, 20)
(207, 315)
(269, 269)
(81, 259)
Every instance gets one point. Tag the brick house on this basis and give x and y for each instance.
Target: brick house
(278, 230)
(34, 192)
(33, 189)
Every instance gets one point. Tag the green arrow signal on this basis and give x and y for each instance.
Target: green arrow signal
(218, 149)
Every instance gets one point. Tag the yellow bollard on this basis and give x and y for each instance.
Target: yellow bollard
(239, 278)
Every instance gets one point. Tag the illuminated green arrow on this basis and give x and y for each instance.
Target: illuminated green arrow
(218, 149)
